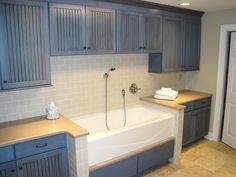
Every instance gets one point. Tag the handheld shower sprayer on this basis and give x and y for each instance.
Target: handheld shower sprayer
(106, 75)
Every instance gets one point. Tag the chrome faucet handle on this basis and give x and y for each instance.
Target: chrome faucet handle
(134, 88)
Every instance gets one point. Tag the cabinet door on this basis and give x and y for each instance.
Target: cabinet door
(152, 33)
(128, 32)
(202, 119)
(100, 28)
(50, 164)
(172, 44)
(192, 38)
(67, 29)
(8, 170)
(188, 129)
(24, 44)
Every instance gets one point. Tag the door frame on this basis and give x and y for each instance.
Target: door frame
(221, 87)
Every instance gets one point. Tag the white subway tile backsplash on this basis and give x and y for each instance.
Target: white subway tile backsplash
(78, 86)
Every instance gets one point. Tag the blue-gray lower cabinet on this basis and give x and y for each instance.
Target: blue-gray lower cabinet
(6, 154)
(8, 170)
(24, 44)
(155, 157)
(43, 157)
(124, 168)
(138, 164)
(196, 120)
(49, 164)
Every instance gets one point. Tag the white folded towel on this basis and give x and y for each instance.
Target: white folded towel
(166, 89)
(166, 94)
(170, 93)
(164, 97)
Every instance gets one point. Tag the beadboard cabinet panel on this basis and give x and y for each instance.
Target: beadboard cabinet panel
(128, 32)
(67, 29)
(152, 35)
(191, 56)
(49, 164)
(8, 170)
(172, 44)
(24, 46)
(100, 28)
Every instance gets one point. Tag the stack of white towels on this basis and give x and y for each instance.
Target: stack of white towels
(166, 94)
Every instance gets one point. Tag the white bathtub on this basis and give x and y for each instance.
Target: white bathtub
(145, 126)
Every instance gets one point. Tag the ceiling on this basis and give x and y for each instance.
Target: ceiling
(201, 5)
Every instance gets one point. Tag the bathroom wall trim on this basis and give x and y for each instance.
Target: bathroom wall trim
(221, 76)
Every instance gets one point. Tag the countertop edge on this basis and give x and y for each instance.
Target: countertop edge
(173, 104)
(51, 132)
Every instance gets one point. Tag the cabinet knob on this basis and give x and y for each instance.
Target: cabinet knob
(144, 47)
(5, 81)
(84, 47)
(89, 48)
(12, 170)
(20, 168)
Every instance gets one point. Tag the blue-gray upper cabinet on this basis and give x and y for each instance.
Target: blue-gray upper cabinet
(191, 49)
(138, 32)
(100, 30)
(128, 32)
(152, 33)
(24, 44)
(67, 29)
(172, 44)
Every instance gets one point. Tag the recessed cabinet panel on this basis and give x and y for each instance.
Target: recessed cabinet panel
(50, 164)
(24, 44)
(8, 170)
(67, 29)
(192, 32)
(202, 122)
(196, 120)
(172, 44)
(188, 129)
(152, 36)
(128, 32)
(100, 28)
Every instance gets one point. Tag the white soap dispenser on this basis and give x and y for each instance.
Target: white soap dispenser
(51, 111)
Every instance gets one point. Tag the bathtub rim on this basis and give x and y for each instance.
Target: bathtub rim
(129, 154)
(99, 135)
(96, 136)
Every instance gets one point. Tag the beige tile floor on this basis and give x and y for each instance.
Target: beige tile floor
(202, 159)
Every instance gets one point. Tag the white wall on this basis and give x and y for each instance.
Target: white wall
(78, 86)
(205, 79)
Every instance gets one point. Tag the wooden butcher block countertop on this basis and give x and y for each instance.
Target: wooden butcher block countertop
(37, 127)
(184, 96)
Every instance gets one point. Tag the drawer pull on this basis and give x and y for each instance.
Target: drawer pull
(204, 102)
(42, 145)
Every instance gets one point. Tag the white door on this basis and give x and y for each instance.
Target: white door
(229, 129)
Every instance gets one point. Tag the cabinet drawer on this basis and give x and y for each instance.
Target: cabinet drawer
(189, 106)
(6, 154)
(202, 103)
(40, 145)
(197, 104)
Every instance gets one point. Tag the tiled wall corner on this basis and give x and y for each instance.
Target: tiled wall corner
(82, 156)
(71, 156)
